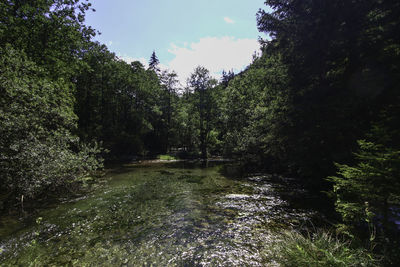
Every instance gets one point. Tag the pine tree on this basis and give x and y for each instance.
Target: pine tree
(153, 63)
(369, 191)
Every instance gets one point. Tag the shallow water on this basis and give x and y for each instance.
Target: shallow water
(158, 214)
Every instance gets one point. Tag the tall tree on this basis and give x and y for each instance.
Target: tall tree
(201, 82)
(339, 73)
(153, 63)
(169, 81)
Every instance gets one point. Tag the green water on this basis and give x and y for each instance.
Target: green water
(156, 214)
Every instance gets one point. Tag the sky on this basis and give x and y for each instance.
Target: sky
(216, 34)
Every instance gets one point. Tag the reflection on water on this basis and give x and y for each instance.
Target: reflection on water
(159, 214)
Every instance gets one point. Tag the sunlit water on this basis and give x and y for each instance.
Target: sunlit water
(158, 214)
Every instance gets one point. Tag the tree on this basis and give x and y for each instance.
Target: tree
(38, 152)
(123, 105)
(335, 85)
(226, 77)
(153, 63)
(252, 107)
(368, 192)
(169, 82)
(41, 44)
(201, 83)
(51, 33)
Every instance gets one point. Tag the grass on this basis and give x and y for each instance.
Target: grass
(319, 249)
(167, 157)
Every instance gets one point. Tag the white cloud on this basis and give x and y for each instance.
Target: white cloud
(229, 20)
(215, 54)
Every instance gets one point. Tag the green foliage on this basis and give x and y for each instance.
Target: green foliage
(201, 107)
(50, 32)
(168, 98)
(368, 191)
(38, 152)
(253, 106)
(320, 249)
(187, 119)
(123, 105)
(330, 71)
(340, 73)
(167, 157)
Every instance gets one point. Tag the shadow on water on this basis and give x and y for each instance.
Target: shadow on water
(162, 214)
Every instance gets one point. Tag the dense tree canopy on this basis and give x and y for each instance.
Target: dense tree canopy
(50, 32)
(40, 47)
(120, 104)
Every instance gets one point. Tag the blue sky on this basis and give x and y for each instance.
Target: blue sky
(217, 34)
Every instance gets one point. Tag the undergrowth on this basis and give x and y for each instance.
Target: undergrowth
(319, 249)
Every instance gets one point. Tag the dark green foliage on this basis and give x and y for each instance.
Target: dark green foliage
(201, 84)
(38, 152)
(41, 44)
(226, 77)
(338, 75)
(169, 82)
(187, 130)
(254, 103)
(50, 32)
(124, 105)
(341, 65)
(369, 191)
(329, 74)
(153, 63)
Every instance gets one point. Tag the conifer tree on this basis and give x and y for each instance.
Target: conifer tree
(153, 63)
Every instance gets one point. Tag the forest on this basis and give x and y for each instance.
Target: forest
(320, 103)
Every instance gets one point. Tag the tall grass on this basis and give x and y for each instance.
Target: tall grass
(319, 249)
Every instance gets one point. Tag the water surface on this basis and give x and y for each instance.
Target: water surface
(158, 214)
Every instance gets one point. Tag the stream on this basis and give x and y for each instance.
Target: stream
(161, 214)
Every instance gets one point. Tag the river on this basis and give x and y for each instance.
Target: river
(160, 214)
